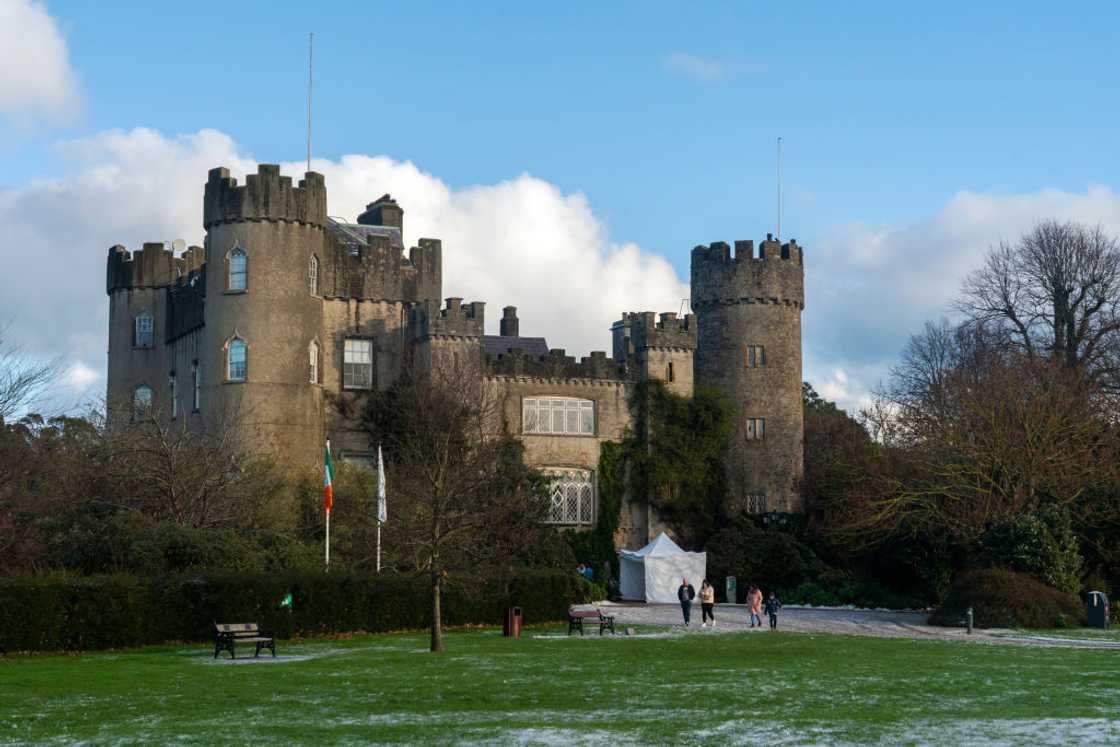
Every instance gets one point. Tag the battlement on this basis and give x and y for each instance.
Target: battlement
(768, 249)
(776, 275)
(368, 262)
(454, 320)
(556, 365)
(153, 266)
(266, 195)
(649, 330)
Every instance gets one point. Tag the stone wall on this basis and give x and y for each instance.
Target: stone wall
(746, 300)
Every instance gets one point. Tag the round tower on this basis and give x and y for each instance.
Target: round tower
(748, 311)
(264, 310)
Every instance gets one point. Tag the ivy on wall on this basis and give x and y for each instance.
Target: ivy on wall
(672, 459)
(679, 465)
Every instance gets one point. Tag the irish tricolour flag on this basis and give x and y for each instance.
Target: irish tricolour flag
(328, 475)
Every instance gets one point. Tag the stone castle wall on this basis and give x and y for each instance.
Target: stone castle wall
(745, 300)
(369, 289)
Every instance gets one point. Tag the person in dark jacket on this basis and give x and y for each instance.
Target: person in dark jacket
(686, 594)
(772, 606)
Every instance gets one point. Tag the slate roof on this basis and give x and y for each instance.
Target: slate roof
(495, 345)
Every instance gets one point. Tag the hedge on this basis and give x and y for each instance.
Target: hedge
(52, 613)
(1000, 598)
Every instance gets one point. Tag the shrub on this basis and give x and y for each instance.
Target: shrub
(1002, 598)
(770, 558)
(1042, 544)
(59, 612)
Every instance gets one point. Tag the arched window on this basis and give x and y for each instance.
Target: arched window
(173, 393)
(313, 362)
(143, 330)
(237, 360)
(196, 387)
(238, 269)
(141, 401)
(313, 275)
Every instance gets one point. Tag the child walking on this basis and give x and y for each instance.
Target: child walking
(772, 607)
(707, 603)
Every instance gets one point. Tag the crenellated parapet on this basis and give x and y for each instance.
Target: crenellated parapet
(266, 195)
(455, 319)
(154, 266)
(666, 330)
(556, 365)
(776, 275)
(368, 261)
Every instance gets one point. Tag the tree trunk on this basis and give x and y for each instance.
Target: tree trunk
(437, 622)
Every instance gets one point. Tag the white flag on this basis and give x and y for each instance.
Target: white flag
(382, 510)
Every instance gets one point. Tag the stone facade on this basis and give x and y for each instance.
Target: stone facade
(283, 312)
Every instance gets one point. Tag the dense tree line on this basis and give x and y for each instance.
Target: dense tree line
(994, 441)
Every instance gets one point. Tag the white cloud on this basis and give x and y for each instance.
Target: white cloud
(693, 66)
(869, 288)
(521, 242)
(36, 79)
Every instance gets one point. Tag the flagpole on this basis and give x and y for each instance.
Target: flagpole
(329, 499)
(382, 512)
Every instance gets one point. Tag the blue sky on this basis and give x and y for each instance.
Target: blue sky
(663, 116)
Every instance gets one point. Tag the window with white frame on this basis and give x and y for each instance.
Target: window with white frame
(756, 502)
(567, 416)
(196, 386)
(313, 363)
(237, 360)
(141, 401)
(313, 275)
(144, 330)
(173, 393)
(357, 364)
(571, 494)
(238, 269)
(756, 356)
(756, 429)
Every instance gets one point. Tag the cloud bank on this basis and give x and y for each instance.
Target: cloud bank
(519, 242)
(36, 79)
(870, 287)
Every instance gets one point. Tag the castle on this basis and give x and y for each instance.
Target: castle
(284, 307)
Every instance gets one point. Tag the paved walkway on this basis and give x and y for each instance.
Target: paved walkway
(883, 623)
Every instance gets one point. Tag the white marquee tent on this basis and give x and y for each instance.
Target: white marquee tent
(654, 573)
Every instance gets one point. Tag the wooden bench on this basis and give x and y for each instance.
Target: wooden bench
(228, 635)
(577, 619)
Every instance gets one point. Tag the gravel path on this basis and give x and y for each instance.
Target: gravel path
(884, 623)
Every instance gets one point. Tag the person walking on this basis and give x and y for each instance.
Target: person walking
(754, 605)
(707, 604)
(772, 607)
(686, 594)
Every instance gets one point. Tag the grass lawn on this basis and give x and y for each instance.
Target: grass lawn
(773, 688)
(1074, 634)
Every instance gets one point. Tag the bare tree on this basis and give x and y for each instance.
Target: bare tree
(201, 476)
(986, 432)
(463, 500)
(22, 378)
(1056, 293)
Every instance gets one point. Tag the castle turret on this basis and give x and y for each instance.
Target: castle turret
(748, 310)
(657, 347)
(265, 249)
